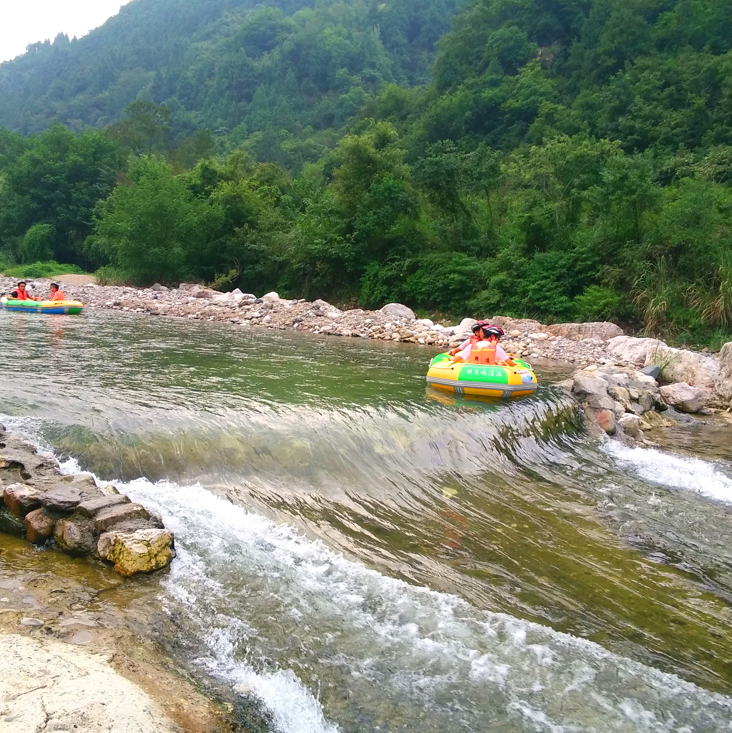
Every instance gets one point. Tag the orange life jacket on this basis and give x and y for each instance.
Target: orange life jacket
(19, 294)
(485, 355)
(58, 295)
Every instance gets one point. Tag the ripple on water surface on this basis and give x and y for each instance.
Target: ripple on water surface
(269, 453)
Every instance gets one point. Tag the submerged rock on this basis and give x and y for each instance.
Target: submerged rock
(142, 551)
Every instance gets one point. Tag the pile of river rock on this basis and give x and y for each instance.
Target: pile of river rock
(37, 503)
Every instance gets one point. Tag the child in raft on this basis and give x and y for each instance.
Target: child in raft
(484, 336)
(56, 294)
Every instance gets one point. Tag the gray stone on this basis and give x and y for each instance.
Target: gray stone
(75, 535)
(601, 330)
(62, 499)
(632, 350)
(39, 525)
(620, 394)
(90, 507)
(107, 518)
(651, 371)
(397, 310)
(683, 397)
(585, 385)
(143, 551)
(631, 425)
(21, 499)
(28, 621)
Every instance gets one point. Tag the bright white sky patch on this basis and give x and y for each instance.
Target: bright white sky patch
(23, 22)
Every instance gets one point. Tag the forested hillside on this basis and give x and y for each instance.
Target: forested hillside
(566, 159)
(283, 72)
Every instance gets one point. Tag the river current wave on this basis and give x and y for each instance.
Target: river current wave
(360, 553)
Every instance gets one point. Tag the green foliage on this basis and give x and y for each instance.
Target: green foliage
(37, 270)
(37, 244)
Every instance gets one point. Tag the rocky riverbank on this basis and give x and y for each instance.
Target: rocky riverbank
(617, 396)
(37, 503)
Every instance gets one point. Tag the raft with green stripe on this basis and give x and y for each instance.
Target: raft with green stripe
(49, 307)
(496, 380)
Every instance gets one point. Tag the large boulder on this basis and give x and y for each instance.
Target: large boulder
(142, 551)
(683, 397)
(602, 330)
(680, 365)
(397, 310)
(724, 384)
(632, 350)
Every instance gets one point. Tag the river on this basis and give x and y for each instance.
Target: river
(361, 553)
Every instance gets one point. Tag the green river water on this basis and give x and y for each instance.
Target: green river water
(361, 553)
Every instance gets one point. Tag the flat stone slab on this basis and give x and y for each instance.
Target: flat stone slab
(91, 507)
(81, 692)
(62, 498)
(107, 518)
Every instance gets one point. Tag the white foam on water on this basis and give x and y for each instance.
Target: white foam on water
(435, 645)
(440, 663)
(673, 471)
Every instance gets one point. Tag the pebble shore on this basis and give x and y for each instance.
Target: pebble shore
(574, 343)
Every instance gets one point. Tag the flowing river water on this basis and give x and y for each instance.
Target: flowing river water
(361, 553)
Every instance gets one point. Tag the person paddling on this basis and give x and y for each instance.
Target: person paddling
(485, 336)
(56, 294)
(20, 293)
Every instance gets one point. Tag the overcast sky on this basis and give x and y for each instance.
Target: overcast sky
(29, 21)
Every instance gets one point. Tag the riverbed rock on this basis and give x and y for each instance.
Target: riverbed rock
(397, 310)
(602, 330)
(39, 525)
(21, 499)
(631, 350)
(91, 507)
(631, 425)
(587, 385)
(75, 535)
(62, 499)
(271, 297)
(143, 551)
(683, 397)
(112, 515)
(604, 418)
